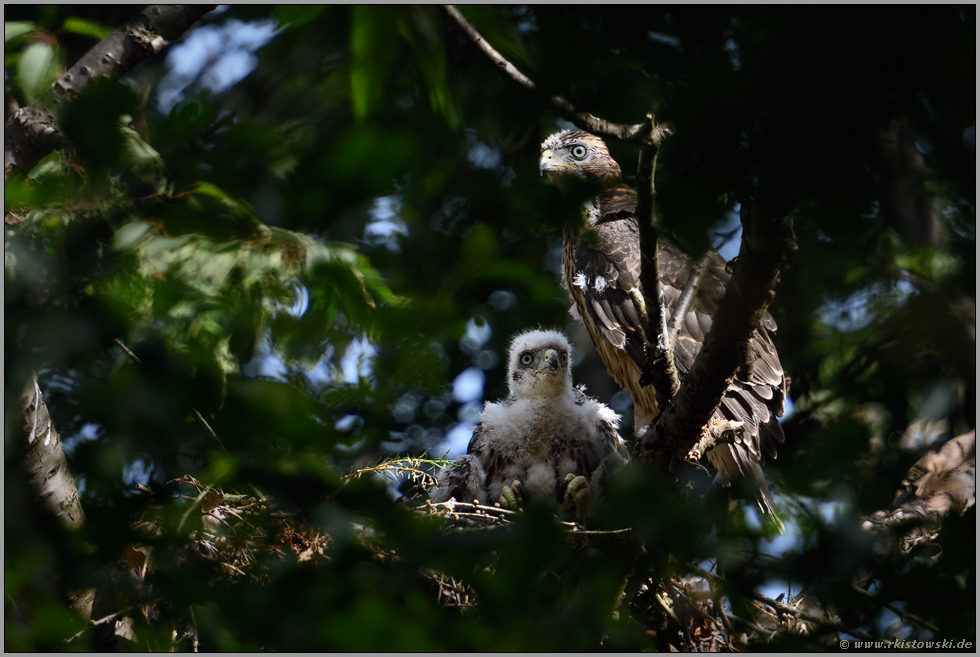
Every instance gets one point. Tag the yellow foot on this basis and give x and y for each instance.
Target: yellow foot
(512, 497)
(577, 493)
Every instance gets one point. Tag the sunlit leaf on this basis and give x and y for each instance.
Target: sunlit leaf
(36, 70)
(86, 27)
(14, 29)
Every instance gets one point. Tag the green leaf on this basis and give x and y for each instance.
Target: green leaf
(373, 43)
(297, 15)
(128, 235)
(35, 70)
(86, 28)
(143, 160)
(14, 29)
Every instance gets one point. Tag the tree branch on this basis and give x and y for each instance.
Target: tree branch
(31, 132)
(639, 133)
(659, 369)
(47, 467)
(767, 242)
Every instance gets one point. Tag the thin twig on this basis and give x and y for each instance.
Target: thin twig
(638, 133)
(111, 617)
(499, 60)
(195, 645)
(207, 427)
(119, 343)
(910, 617)
(193, 505)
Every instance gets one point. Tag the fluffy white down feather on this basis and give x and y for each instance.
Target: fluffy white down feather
(545, 429)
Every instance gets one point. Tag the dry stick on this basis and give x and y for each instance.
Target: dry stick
(802, 615)
(111, 617)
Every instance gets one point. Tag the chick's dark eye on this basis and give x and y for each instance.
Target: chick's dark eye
(578, 151)
(526, 359)
(564, 358)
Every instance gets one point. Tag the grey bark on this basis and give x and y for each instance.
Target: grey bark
(31, 132)
(767, 242)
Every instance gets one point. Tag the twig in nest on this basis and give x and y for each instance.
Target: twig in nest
(111, 617)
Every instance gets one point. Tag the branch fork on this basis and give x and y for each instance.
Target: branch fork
(767, 242)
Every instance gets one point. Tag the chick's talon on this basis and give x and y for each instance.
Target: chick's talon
(512, 497)
(576, 493)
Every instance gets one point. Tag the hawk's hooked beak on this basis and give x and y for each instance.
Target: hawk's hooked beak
(551, 362)
(547, 162)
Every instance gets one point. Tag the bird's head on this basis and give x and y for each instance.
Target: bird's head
(576, 160)
(539, 365)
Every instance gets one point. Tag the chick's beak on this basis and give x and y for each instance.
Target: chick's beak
(550, 361)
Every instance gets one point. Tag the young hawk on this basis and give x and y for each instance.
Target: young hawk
(601, 268)
(547, 441)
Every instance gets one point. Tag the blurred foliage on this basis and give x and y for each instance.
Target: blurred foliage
(292, 264)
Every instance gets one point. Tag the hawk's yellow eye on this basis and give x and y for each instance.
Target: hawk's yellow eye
(526, 359)
(578, 151)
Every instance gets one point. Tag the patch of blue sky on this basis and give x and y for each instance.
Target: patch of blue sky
(475, 336)
(727, 236)
(457, 439)
(266, 363)
(456, 442)
(141, 471)
(348, 422)
(526, 21)
(215, 56)
(468, 385)
(666, 39)
(731, 47)
(323, 372)
(301, 302)
(358, 360)
(487, 157)
(89, 432)
(385, 226)
(788, 412)
(856, 311)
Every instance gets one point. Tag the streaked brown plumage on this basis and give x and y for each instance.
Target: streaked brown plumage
(601, 268)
